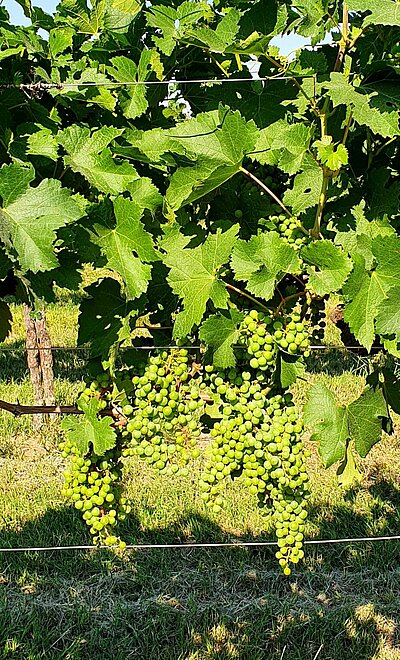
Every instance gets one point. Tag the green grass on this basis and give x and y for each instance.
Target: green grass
(196, 604)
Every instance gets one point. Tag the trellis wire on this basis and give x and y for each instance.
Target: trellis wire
(188, 546)
(135, 83)
(173, 346)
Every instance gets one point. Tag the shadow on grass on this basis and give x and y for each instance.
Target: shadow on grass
(336, 361)
(189, 604)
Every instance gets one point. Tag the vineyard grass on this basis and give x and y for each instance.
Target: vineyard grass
(197, 604)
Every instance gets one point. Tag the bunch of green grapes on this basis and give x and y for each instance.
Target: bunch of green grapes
(256, 336)
(292, 333)
(243, 400)
(262, 335)
(100, 388)
(290, 229)
(93, 483)
(287, 489)
(259, 439)
(164, 416)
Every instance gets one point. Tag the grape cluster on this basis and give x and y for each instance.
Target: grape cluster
(164, 419)
(93, 483)
(259, 439)
(99, 388)
(290, 230)
(243, 402)
(262, 335)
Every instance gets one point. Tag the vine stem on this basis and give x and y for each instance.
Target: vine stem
(323, 115)
(285, 300)
(267, 190)
(295, 82)
(347, 128)
(316, 230)
(246, 295)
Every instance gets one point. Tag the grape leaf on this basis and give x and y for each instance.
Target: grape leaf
(329, 155)
(173, 22)
(365, 114)
(5, 320)
(386, 250)
(332, 263)
(364, 293)
(29, 216)
(89, 154)
(119, 239)
(26, 7)
(365, 419)
(217, 141)
(333, 425)
(262, 261)
(60, 38)
(283, 144)
(290, 368)
(84, 19)
(216, 40)
(89, 431)
(358, 241)
(347, 472)
(306, 187)
(133, 99)
(388, 313)
(119, 14)
(104, 317)
(43, 143)
(221, 333)
(380, 12)
(328, 424)
(193, 274)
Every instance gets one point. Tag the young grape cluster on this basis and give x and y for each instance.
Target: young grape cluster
(290, 230)
(263, 335)
(164, 419)
(259, 439)
(93, 483)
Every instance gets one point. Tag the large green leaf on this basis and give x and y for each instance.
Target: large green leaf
(104, 317)
(333, 425)
(88, 154)
(215, 40)
(173, 23)
(328, 424)
(363, 106)
(29, 217)
(262, 261)
(329, 266)
(89, 432)
(128, 247)
(221, 333)
(193, 274)
(365, 419)
(380, 12)
(364, 293)
(133, 98)
(306, 188)
(217, 143)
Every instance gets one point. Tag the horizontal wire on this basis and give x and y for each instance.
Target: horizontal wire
(188, 546)
(163, 348)
(135, 83)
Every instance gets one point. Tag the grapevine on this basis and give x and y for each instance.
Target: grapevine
(226, 216)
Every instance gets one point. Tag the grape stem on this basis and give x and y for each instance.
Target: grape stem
(268, 190)
(246, 295)
(291, 297)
